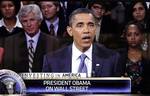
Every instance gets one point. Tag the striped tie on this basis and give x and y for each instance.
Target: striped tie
(31, 54)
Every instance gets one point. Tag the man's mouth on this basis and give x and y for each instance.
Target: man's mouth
(86, 37)
(132, 42)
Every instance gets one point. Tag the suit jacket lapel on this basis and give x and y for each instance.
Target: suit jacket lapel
(61, 28)
(97, 62)
(44, 27)
(68, 59)
(40, 50)
(21, 54)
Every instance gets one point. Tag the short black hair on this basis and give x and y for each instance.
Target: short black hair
(139, 26)
(16, 3)
(100, 2)
(79, 11)
(56, 2)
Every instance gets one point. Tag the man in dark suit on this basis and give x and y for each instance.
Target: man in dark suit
(107, 31)
(24, 51)
(54, 21)
(83, 55)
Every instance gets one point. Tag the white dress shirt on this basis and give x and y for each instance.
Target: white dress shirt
(34, 38)
(55, 23)
(76, 59)
(18, 24)
(98, 28)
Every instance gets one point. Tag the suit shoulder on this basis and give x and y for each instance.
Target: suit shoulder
(59, 53)
(20, 34)
(49, 37)
(103, 51)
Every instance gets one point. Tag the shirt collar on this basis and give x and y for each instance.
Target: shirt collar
(18, 24)
(55, 23)
(34, 38)
(2, 22)
(99, 22)
(76, 52)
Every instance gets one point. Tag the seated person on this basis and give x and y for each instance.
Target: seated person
(24, 51)
(9, 24)
(136, 66)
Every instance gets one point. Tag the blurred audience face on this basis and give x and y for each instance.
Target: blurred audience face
(138, 12)
(30, 24)
(82, 30)
(134, 36)
(24, 2)
(49, 9)
(7, 9)
(97, 10)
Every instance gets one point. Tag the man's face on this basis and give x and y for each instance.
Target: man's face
(138, 12)
(82, 30)
(7, 9)
(48, 9)
(98, 10)
(30, 24)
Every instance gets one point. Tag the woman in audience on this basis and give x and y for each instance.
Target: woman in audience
(136, 66)
(138, 11)
(9, 24)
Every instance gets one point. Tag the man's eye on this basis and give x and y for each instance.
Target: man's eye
(91, 25)
(24, 21)
(79, 25)
(32, 19)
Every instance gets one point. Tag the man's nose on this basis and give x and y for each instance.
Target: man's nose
(45, 9)
(7, 7)
(86, 29)
(28, 23)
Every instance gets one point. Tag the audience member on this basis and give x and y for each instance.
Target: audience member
(138, 11)
(107, 31)
(52, 24)
(9, 24)
(24, 51)
(136, 66)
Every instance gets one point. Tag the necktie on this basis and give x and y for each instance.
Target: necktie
(31, 54)
(82, 66)
(52, 32)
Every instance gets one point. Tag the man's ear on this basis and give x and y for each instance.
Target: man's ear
(58, 8)
(39, 23)
(69, 30)
(103, 11)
